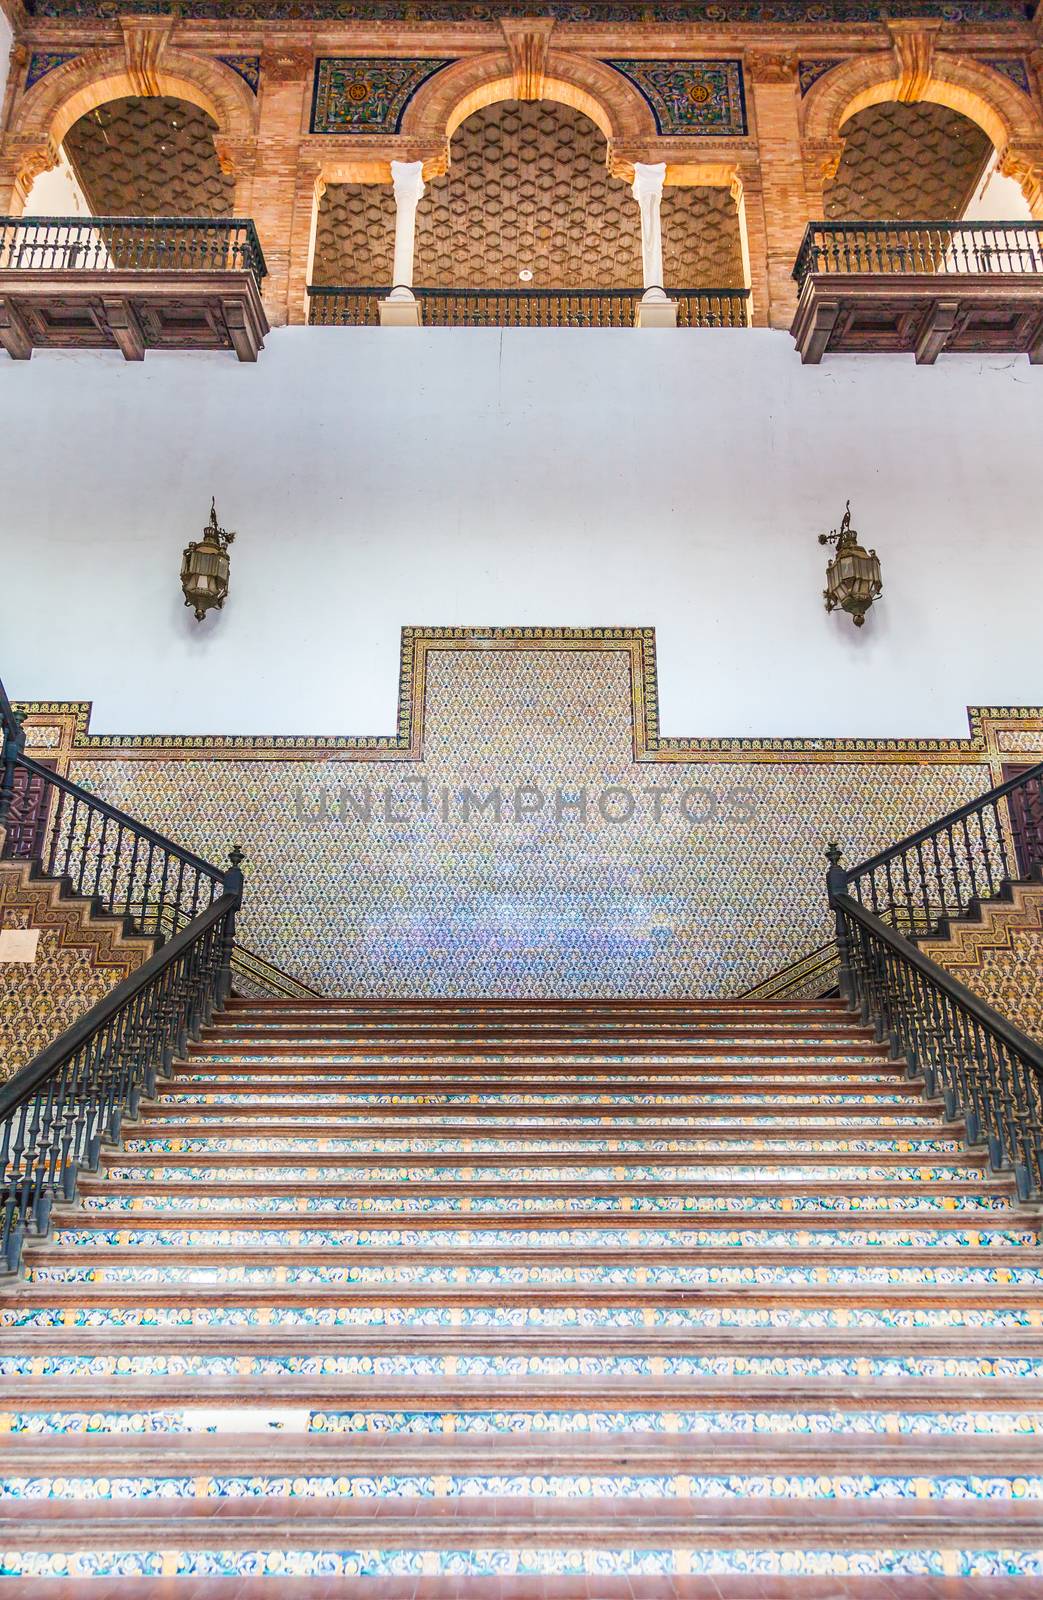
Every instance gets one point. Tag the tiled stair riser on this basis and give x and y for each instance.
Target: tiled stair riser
(905, 1199)
(415, 1365)
(503, 1275)
(610, 1149)
(526, 1316)
(547, 1236)
(204, 1419)
(498, 1562)
(544, 1486)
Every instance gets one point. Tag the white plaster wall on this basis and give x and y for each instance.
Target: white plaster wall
(381, 477)
(57, 193)
(997, 198)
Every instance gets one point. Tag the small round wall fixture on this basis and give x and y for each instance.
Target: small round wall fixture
(853, 575)
(204, 568)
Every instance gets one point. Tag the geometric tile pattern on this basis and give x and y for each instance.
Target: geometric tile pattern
(904, 163)
(702, 98)
(150, 156)
(362, 94)
(998, 954)
(696, 869)
(79, 959)
(527, 188)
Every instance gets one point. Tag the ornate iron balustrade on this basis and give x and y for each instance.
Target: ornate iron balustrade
(55, 1112)
(985, 1069)
(528, 308)
(123, 866)
(940, 871)
(947, 248)
(130, 244)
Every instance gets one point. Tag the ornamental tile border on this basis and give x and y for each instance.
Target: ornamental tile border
(809, 72)
(367, 94)
(690, 99)
(246, 67)
(1013, 67)
(41, 62)
(649, 744)
(715, 12)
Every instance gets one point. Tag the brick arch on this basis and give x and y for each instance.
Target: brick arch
(986, 97)
(447, 99)
(50, 107)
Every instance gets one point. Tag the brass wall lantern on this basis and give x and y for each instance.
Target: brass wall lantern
(204, 568)
(853, 575)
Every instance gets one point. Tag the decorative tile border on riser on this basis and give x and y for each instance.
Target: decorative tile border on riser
(500, 1562)
(544, 1486)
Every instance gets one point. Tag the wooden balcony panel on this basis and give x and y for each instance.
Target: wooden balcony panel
(919, 313)
(132, 311)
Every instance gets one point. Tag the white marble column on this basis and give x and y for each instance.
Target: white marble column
(655, 309)
(401, 308)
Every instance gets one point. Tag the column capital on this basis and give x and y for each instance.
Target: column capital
(408, 180)
(237, 157)
(648, 181)
(771, 66)
(821, 158)
(286, 63)
(1024, 163)
(22, 159)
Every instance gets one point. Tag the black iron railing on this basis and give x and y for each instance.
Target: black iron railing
(124, 867)
(960, 248)
(57, 1111)
(969, 855)
(528, 308)
(986, 1070)
(130, 244)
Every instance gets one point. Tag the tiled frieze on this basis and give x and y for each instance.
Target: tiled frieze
(697, 98)
(775, 12)
(363, 94)
(528, 830)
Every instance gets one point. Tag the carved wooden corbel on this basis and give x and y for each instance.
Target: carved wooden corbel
(144, 41)
(528, 43)
(913, 44)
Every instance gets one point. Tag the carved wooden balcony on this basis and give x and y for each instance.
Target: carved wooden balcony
(131, 284)
(922, 287)
(528, 308)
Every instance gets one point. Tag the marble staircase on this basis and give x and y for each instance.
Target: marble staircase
(481, 1298)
